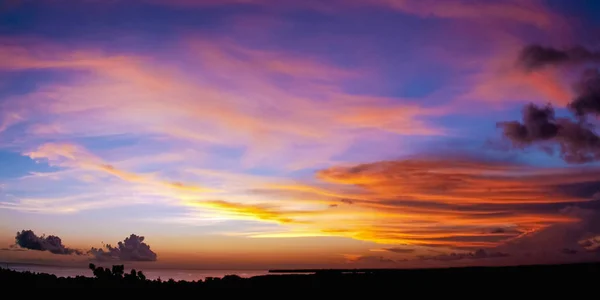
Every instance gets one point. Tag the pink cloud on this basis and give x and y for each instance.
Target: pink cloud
(528, 12)
(532, 12)
(233, 96)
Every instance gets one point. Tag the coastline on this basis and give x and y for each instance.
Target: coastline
(517, 277)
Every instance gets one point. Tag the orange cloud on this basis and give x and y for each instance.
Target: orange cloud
(461, 182)
(455, 202)
(253, 212)
(448, 202)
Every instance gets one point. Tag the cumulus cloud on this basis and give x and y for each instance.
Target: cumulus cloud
(132, 248)
(576, 138)
(479, 254)
(27, 239)
(577, 141)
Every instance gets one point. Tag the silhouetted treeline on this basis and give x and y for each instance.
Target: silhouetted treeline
(548, 277)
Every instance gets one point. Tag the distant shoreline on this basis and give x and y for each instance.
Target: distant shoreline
(532, 277)
(84, 266)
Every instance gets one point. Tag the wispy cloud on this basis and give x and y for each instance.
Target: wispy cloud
(74, 156)
(529, 12)
(235, 101)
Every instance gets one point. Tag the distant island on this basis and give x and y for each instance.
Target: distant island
(506, 278)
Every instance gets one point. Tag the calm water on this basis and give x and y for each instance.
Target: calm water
(164, 274)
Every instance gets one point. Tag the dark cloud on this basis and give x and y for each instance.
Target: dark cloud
(576, 138)
(372, 259)
(539, 124)
(400, 250)
(582, 236)
(577, 141)
(534, 57)
(333, 205)
(27, 239)
(583, 190)
(569, 251)
(587, 89)
(132, 248)
(479, 254)
(347, 201)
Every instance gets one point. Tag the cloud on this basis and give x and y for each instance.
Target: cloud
(400, 250)
(460, 202)
(27, 239)
(75, 156)
(132, 248)
(577, 142)
(253, 211)
(587, 89)
(271, 107)
(578, 239)
(479, 254)
(13, 249)
(123, 95)
(534, 57)
(530, 12)
(368, 259)
(499, 83)
(591, 244)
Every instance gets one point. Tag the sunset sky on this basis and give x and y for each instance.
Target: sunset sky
(289, 133)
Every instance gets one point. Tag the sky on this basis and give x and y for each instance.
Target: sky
(273, 133)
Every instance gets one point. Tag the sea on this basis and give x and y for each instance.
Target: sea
(164, 274)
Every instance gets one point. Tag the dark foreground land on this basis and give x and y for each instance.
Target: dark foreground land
(500, 279)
